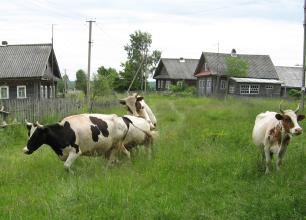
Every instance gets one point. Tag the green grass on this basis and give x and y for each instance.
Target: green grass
(205, 167)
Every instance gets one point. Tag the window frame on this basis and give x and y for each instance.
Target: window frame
(25, 91)
(249, 89)
(7, 92)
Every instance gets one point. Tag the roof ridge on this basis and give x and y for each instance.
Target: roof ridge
(239, 54)
(39, 44)
(179, 58)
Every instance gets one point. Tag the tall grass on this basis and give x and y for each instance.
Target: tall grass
(204, 167)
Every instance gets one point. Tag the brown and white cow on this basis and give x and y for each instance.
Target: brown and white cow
(273, 131)
(84, 134)
(138, 107)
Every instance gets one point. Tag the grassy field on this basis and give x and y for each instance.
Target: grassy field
(204, 167)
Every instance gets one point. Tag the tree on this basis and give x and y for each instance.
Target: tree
(237, 66)
(139, 60)
(104, 81)
(81, 81)
(62, 85)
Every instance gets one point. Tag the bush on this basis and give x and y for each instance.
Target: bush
(295, 93)
(181, 88)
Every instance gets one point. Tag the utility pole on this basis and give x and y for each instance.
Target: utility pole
(304, 51)
(65, 83)
(53, 87)
(89, 57)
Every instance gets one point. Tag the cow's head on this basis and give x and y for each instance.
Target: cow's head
(289, 119)
(132, 104)
(37, 136)
(137, 107)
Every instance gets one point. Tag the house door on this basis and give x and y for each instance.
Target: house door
(202, 87)
(208, 86)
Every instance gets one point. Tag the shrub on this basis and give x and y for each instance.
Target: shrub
(294, 93)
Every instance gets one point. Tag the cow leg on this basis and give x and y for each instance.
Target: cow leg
(149, 147)
(268, 159)
(71, 158)
(125, 151)
(280, 156)
(113, 157)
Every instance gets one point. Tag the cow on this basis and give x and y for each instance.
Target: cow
(83, 134)
(272, 133)
(138, 107)
(139, 133)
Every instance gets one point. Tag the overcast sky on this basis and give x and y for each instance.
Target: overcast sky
(179, 28)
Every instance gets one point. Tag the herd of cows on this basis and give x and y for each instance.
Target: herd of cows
(109, 134)
(96, 134)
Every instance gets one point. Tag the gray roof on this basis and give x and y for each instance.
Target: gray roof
(291, 76)
(260, 66)
(28, 60)
(169, 68)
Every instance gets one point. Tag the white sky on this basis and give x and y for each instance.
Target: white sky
(179, 28)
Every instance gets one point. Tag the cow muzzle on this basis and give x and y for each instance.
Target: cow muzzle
(26, 150)
(298, 131)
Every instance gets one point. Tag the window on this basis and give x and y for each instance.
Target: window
(168, 84)
(222, 84)
(51, 92)
(21, 92)
(208, 83)
(4, 92)
(231, 89)
(42, 92)
(269, 86)
(249, 89)
(46, 92)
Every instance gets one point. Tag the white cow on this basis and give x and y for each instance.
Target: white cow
(272, 133)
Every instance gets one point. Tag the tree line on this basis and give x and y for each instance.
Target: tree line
(141, 62)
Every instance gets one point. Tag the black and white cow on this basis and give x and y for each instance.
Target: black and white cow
(84, 134)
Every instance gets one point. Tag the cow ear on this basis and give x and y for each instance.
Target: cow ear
(300, 117)
(122, 102)
(279, 116)
(139, 98)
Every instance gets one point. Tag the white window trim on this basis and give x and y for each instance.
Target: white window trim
(248, 89)
(269, 86)
(7, 92)
(25, 92)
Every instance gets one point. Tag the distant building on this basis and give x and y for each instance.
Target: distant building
(213, 79)
(170, 71)
(291, 77)
(28, 71)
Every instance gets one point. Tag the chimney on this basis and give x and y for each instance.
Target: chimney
(4, 43)
(234, 53)
(182, 60)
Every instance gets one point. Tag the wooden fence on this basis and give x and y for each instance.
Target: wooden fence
(38, 109)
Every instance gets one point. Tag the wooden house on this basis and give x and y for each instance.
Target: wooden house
(170, 71)
(28, 71)
(213, 77)
(291, 78)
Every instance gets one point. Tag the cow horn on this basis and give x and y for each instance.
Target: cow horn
(280, 108)
(39, 125)
(297, 109)
(2, 108)
(28, 123)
